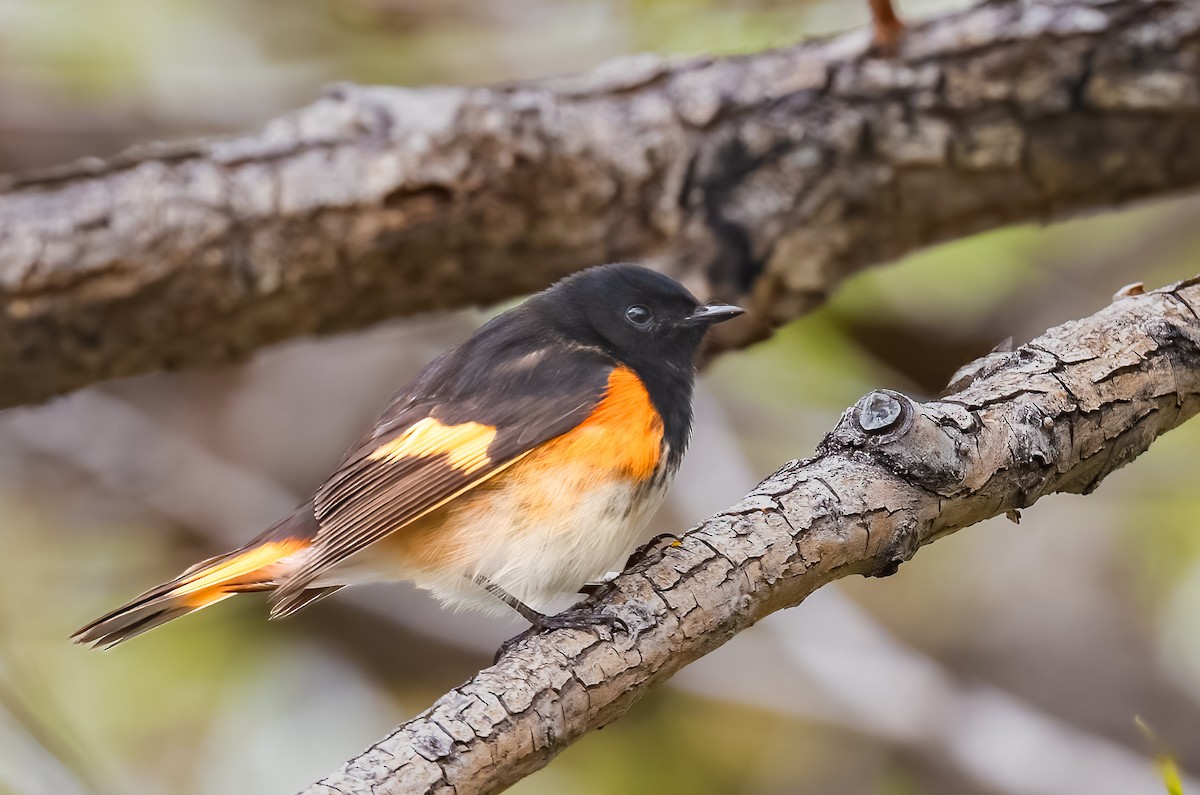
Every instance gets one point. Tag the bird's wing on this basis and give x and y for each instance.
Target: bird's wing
(442, 438)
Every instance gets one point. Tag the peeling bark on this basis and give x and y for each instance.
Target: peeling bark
(1056, 415)
(765, 178)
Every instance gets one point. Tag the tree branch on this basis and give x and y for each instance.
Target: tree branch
(770, 176)
(1056, 415)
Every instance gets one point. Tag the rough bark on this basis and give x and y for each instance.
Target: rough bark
(1056, 415)
(770, 176)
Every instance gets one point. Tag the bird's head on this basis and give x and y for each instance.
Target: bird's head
(635, 314)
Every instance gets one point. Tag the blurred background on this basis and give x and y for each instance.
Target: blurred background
(1005, 659)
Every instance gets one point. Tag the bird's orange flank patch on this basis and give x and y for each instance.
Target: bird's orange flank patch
(465, 445)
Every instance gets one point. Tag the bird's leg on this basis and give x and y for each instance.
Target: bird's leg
(571, 618)
(888, 27)
(527, 612)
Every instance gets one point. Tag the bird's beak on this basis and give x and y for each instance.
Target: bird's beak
(710, 314)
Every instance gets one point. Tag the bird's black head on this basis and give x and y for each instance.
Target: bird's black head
(639, 317)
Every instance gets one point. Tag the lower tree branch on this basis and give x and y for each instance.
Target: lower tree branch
(1056, 415)
(765, 178)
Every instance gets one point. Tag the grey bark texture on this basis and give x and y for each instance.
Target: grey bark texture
(1056, 415)
(762, 178)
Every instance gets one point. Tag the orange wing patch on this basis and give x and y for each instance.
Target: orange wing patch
(624, 431)
(465, 446)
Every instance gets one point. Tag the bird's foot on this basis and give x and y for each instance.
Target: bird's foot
(655, 544)
(660, 542)
(568, 619)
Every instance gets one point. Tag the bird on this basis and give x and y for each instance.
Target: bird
(511, 469)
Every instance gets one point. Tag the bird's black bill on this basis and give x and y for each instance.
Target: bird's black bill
(714, 313)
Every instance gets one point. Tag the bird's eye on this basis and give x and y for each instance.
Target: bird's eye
(639, 315)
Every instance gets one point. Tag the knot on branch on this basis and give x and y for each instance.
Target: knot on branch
(883, 411)
(922, 444)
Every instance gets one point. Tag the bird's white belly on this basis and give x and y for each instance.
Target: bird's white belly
(537, 538)
(537, 555)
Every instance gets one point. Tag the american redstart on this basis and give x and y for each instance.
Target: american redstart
(512, 469)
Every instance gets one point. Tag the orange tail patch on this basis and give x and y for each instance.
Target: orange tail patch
(252, 568)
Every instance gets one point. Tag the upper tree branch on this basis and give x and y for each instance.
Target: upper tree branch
(772, 175)
(1056, 415)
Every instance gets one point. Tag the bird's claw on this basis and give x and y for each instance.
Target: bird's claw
(570, 619)
(641, 553)
(653, 545)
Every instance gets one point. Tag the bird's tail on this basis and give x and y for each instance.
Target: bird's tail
(258, 566)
